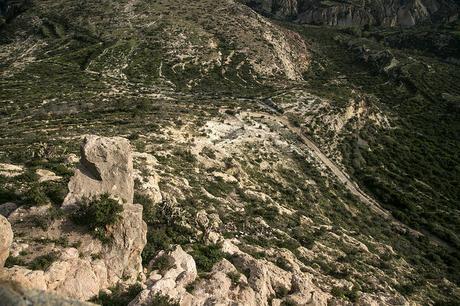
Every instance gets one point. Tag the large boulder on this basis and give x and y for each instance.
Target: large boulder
(106, 166)
(6, 238)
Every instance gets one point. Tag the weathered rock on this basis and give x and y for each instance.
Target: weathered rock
(17, 248)
(221, 287)
(146, 176)
(12, 294)
(74, 278)
(123, 255)
(26, 278)
(46, 175)
(106, 166)
(173, 281)
(72, 159)
(6, 238)
(209, 226)
(10, 170)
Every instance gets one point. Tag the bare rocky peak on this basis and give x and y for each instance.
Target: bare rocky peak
(354, 13)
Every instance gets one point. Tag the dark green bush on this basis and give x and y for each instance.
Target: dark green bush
(42, 262)
(344, 293)
(163, 263)
(163, 300)
(36, 196)
(119, 296)
(206, 256)
(97, 214)
(56, 192)
(234, 277)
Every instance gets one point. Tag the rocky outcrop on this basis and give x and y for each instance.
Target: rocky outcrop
(106, 166)
(6, 238)
(260, 282)
(12, 294)
(181, 271)
(353, 13)
(80, 273)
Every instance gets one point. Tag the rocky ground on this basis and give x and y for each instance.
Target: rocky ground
(246, 161)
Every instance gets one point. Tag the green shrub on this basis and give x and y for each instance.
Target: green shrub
(206, 256)
(97, 214)
(56, 192)
(344, 293)
(14, 261)
(42, 262)
(119, 297)
(234, 277)
(35, 196)
(163, 300)
(163, 263)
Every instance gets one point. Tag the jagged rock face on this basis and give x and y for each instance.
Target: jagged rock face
(381, 12)
(106, 166)
(6, 238)
(265, 280)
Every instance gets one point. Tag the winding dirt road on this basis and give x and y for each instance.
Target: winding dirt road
(345, 179)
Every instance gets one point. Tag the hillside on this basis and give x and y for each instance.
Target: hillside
(244, 159)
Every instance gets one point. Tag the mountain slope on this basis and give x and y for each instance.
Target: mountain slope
(326, 156)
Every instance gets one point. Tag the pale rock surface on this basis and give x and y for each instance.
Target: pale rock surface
(11, 294)
(265, 279)
(106, 166)
(6, 238)
(72, 159)
(26, 278)
(147, 177)
(46, 175)
(17, 248)
(209, 225)
(172, 282)
(10, 170)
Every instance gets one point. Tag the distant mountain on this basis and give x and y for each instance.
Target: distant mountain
(358, 13)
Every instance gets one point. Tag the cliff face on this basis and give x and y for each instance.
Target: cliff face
(380, 12)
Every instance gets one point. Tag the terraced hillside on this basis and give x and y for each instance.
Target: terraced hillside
(330, 154)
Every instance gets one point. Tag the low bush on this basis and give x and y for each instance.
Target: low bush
(163, 300)
(206, 256)
(42, 262)
(97, 214)
(119, 296)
